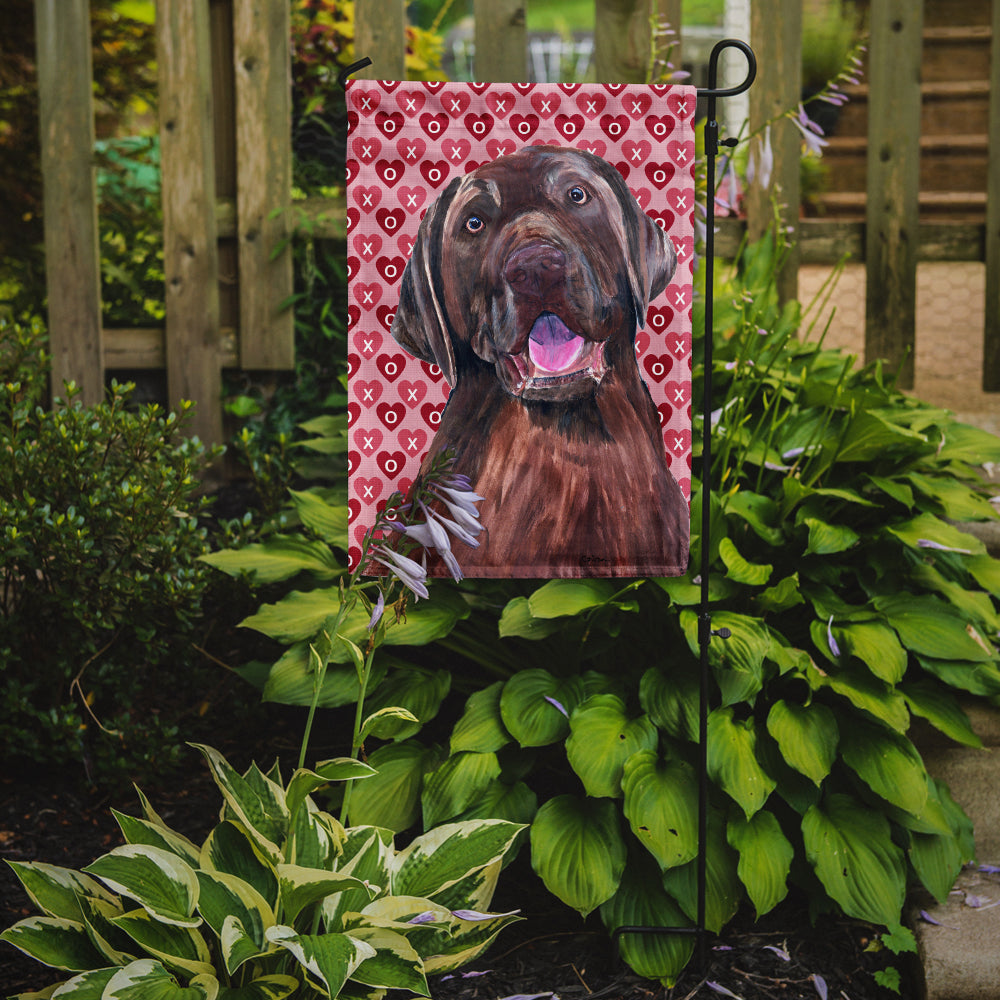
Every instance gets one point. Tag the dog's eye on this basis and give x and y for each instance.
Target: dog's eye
(578, 195)
(474, 224)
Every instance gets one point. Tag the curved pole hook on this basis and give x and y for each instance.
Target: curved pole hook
(353, 68)
(712, 90)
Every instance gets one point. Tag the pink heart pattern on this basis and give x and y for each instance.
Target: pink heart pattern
(406, 142)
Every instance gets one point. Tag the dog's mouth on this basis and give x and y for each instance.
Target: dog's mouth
(555, 363)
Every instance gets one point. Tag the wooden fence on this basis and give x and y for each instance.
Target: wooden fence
(226, 161)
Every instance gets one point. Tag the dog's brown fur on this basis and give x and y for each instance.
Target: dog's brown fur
(571, 465)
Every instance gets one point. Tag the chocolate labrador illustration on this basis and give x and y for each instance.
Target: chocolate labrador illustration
(527, 281)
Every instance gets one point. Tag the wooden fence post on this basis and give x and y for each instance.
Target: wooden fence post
(72, 255)
(776, 34)
(501, 41)
(190, 251)
(380, 34)
(893, 183)
(622, 40)
(991, 332)
(262, 61)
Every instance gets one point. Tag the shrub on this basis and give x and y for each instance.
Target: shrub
(99, 539)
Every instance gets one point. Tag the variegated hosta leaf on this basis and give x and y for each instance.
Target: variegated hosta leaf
(177, 947)
(86, 986)
(765, 858)
(602, 737)
(158, 880)
(367, 854)
(301, 887)
(149, 980)
(315, 838)
(578, 851)
(481, 727)
(230, 849)
(54, 941)
(141, 831)
(476, 890)
(395, 964)
(457, 784)
(441, 857)
(328, 959)
(850, 847)
(732, 760)
(661, 799)
(225, 897)
(466, 941)
(304, 782)
(116, 947)
(807, 736)
(535, 706)
(642, 902)
(56, 891)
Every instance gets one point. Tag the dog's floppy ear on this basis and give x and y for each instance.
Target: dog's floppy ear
(420, 324)
(652, 259)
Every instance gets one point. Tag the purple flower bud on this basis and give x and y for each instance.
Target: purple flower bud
(377, 612)
(558, 705)
(834, 648)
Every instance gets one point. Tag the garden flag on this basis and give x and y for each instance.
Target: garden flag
(520, 264)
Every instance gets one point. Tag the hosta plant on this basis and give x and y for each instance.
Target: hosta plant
(279, 900)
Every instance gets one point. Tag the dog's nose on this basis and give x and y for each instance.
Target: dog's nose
(533, 270)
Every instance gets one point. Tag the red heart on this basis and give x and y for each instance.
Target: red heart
(385, 315)
(353, 414)
(353, 266)
(479, 125)
(412, 198)
(391, 365)
(681, 105)
(663, 219)
(410, 149)
(456, 150)
(431, 412)
(636, 104)
(353, 315)
(353, 509)
(595, 146)
(435, 172)
(412, 393)
(367, 392)
(545, 105)
(388, 85)
(391, 414)
(368, 439)
(433, 372)
(641, 342)
(666, 412)
(367, 244)
(410, 101)
(659, 318)
(677, 393)
(405, 244)
(678, 442)
(615, 126)
(368, 344)
(524, 87)
(636, 151)
(367, 295)
(390, 219)
(353, 461)
(612, 88)
(456, 103)
(524, 126)
(391, 268)
(391, 462)
(500, 102)
(479, 86)
(682, 153)
(591, 104)
(660, 126)
(353, 364)
(679, 200)
(412, 441)
(367, 198)
(353, 557)
(643, 196)
(433, 85)
(353, 218)
(570, 126)
(434, 125)
(500, 147)
(365, 101)
(389, 124)
(659, 174)
(568, 88)
(366, 148)
(657, 366)
(369, 490)
(624, 169)
(390, 171)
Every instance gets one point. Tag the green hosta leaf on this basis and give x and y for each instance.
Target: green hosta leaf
(515, 803)
(975, 605)
(56, 891)
(578, 851)
(661, 799)
(850, 847)
(876, 646)
(292, 680)
(438, 859)
(159, 881)
(683, 592)
(517, 620)
(301, 887)
(864, 692)
(559, 598)
(893, 488)
(417, 690)
(274, 987)
(226, 898)
(395, 964)
(456, 784)
(327, 520)
(888, 763)
(976, 678)
(54, 941)
(807, 736)
(260, 809)
(931, 628)
(738, 661)
(330, 959)
(230, 849)
(758, 511)
(723, 889)
(180, 948)
(141, 831)
(671, 699)
(941, 709)
(937, 859)
(530, 706)
(751, 574)
(765, 858)
(481, 728)
(828, 539)
(147, 979)
(279, 558)
(986, 571)
(391, 798)
(602, 738)
(870, 436)
(386, 723)
(957, 501)
(965, 443)
(928, 528)
(641, 901)
(732, 761)
(783, 595)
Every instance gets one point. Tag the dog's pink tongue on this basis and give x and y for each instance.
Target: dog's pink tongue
(552, 345)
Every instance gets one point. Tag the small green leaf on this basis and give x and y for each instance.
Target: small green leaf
(180, 948)
(828, 539)
(517, 620)
(765, 858)
(301, 887)
(732, 760)
(391, 798)
(327, 520)
(535, 706)
(888, 763)
(932, 628)
(671, 700)
(739, 569)
(559, 598)
(279, 558)
(56, 891)
(936, 704)
(481, 727)
(456, 785)
(807, 736)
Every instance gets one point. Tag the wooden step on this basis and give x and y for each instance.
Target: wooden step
(957, 206)
(956, 53)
